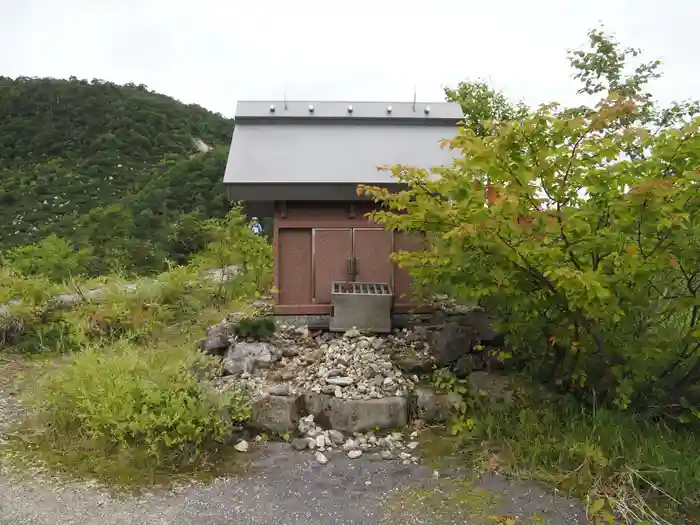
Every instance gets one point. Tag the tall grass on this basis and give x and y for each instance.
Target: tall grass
(646, 469)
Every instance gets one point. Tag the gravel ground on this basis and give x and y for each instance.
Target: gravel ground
(288, 487)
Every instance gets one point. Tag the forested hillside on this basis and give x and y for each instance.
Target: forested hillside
(127, 173)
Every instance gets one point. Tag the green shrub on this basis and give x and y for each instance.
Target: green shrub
(236, 245)
(135, 408)
(260, 329)
(52, 257)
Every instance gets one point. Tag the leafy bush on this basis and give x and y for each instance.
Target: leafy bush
(580, 230)
(260, 329)
(145, 408)
(236, 245)
(52, 257)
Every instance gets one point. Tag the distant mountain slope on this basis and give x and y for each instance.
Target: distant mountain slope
(75, 151)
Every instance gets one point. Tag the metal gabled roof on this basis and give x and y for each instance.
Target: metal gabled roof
(332, 146)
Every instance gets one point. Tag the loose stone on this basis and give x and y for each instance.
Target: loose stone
(300, 444)
(340, 381)
(336, 437)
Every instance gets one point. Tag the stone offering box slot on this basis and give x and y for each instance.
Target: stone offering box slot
(361, 305)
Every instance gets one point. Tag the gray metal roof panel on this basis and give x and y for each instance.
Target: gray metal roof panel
(332, 153)
(340, 110)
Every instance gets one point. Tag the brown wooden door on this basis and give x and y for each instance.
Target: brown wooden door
(372, 251)
(332, 248)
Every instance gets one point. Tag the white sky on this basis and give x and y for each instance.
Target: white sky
(214, 52)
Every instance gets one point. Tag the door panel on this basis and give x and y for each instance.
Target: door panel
(332, 249)
(373, 255)
(294, 266)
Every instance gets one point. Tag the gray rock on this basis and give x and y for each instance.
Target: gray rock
(290, 352)
(453, 342)
(413, 364)
(333, 372)
(217, 340)
(306, 423)
(246, 357)
(357, 415)
(350, 444)
(278, 414)
(321, 458)
(242, 446)
(336, 436)
(340, 381)
(328, 390)
(300, 444)
(459, 335)
(386, 454)
(467, 364)
(434, 407)
(354, 454)
(279, 390)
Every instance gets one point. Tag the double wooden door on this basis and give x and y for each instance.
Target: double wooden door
(349, 254)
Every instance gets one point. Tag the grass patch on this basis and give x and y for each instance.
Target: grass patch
(451, 501)
(647, 471)
(129, 415)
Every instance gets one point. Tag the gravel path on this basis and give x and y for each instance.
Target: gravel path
(286, 487)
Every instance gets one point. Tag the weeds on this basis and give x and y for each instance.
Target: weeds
(646, 470)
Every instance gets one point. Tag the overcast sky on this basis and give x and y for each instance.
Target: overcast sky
(215, 52)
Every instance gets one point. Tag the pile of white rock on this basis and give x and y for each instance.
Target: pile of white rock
(390, 447)
(353, 366)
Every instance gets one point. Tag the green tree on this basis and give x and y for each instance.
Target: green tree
(589, 256)
(483, 106)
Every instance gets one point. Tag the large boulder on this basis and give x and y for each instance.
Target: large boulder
(460, 334)
(277, 414)
(357, 415)
(244, 358)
